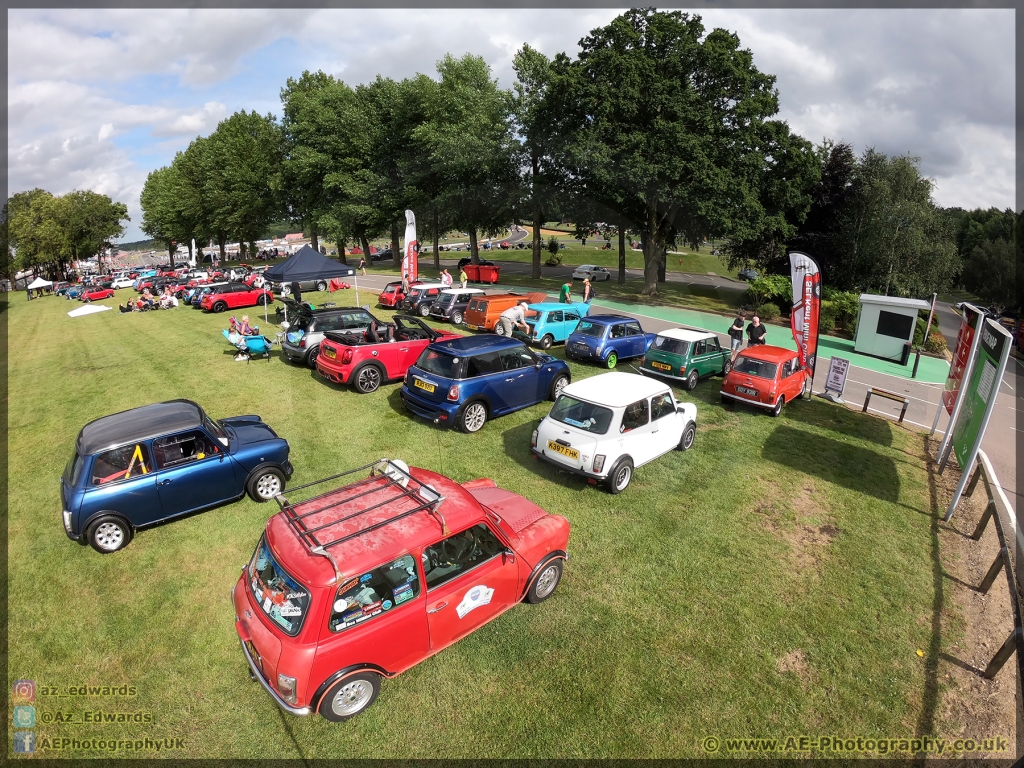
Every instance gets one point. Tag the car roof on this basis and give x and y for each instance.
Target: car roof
(428, 285)
(455, 291)
(369, 548)
(586, 266)
(609, 319)
(769, 353)
(138, 424)
(548, 306)
(469, 344)
(686, 334)
(615, 389)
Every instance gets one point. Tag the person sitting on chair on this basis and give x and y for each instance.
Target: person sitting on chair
(244, 328)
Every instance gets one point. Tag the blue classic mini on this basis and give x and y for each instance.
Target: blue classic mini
(607, 339)
(140, 467)
(466, 381)
(551, 322)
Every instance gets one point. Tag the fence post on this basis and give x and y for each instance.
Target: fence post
(1001, 557)
(1003, 653)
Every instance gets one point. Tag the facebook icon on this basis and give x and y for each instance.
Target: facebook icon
(24, 742)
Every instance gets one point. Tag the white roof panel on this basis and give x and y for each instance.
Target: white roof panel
(895, 301)
(615, 389)
(686, 334)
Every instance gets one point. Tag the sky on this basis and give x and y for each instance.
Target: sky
(99, 98)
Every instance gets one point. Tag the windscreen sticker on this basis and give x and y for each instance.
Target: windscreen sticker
(366, 577)
(475, 597)
(402, 593)
(386, 605)
(347, 586)
(372, 609)
(582, 424)
(290, 610)
(266, 605)
(294, 595)
(340, 605)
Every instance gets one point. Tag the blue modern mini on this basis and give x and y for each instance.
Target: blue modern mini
(140, 467)
(607, 339)
(552, 322)
(466, 381)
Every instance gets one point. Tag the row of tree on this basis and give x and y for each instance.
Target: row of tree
(47, 233)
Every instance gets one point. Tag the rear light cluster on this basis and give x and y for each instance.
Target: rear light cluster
(347, 356)
(599, 462)
(453, 392)
(533, 439)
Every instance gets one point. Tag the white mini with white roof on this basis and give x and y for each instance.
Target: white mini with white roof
(606, 426)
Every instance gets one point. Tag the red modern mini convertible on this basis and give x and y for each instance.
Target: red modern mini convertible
(235, 296)
(366, 361)
(361, 583)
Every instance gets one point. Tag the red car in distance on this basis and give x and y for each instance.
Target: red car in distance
(95, 294)
(235, 296)
(765, 376)
(362, 583)
(366, 361)
(392, 295)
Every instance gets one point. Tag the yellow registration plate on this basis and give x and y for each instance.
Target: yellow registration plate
(328, 352)
(424, 385)
(474, 327)
(572, 453)
(661, 366)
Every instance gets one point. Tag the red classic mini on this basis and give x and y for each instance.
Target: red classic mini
(365, 581)
(765, 376)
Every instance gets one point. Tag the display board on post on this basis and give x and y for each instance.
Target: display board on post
(806, 278)
(978, 400)
(959, 371)
(835, 382)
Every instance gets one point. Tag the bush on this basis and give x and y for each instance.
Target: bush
(919, 329)
(555, 258)
(936, 343)
(777, 289)
(769, 311)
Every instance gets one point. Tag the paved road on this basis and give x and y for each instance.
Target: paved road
(1000, 440)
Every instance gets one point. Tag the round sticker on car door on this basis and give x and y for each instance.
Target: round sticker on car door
(474, 598)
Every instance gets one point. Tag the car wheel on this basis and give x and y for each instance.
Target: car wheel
(686, 441)
(546, 582)
(424, 310)
(321, 286)
(621, 474)
(265, 484)
(314, 353)
(727, 401)
(473, 417)
(774, 412)
(547, 341)
(367, 379)
(457, 318)
(349, 696)
(558, 385)
(263, 300)
(109, 534)
(691, 381)
(88, 301)
(220, 306)
(612, 361)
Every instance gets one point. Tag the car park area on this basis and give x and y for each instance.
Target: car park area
(733, 586)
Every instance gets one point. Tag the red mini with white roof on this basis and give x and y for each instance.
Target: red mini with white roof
(359, 584)
(606, 426)
(765, 376)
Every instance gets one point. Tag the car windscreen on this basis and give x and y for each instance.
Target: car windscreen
(581, 414)
(73, 471)
(438, 363)
(279, 596)
(672, 346)
(588, 328)
(216, 429)
(753, 367)
(445, 299)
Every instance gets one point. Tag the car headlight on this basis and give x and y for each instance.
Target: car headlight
(599, 462)
(533, 440)
(286, 686)
(67, 520)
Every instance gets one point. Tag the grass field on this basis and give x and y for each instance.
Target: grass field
(776, 579)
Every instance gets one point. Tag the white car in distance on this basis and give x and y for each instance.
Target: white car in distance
(594, 273)
(122, 282)
(606, 426)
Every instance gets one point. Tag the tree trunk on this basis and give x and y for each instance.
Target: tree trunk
(341, 251)
(365, 244)
(474, 246)
(222, 243)
(537, 245)
(622, 253)
(661, 264)
(652, 255)
(396, 251)
(437, 240)
(190, 255)
(252, 248)
(314, 238)
(172, 257)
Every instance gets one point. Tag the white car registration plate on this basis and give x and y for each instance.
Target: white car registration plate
(747, 391)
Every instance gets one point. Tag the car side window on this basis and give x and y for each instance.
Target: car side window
(517, 357)
(122, 463)
(483, 364)
(794, 365)
(713, 345)
(618, 331)
(356, 320)
(634, 329)
(700, 348)
(183, 448)
(457, 554)
(636, 415)
(572, 317)
(555, 317)
(662, 405)
(321, 324)
(375, 593)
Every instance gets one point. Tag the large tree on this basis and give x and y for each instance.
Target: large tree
(673, 132)
(160, 218)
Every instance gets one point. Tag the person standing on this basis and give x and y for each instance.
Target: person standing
(513, 317)
(736, 336)
(463, 277)
(565, 294)
(588, 290)
(296, 291)
(362, 265)
(756, 332)
(446, 278)
(405, 283)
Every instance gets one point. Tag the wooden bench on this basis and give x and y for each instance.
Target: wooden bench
(888, 396)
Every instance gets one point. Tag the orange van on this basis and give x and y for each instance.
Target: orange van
(483, 312)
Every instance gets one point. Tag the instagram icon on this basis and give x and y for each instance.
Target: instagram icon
(24, 690)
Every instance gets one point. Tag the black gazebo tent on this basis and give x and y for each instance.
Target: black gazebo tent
(306, 264)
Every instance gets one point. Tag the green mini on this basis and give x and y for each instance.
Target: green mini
(685, 355)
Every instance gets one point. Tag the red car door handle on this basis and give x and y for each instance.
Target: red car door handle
(438, 607)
